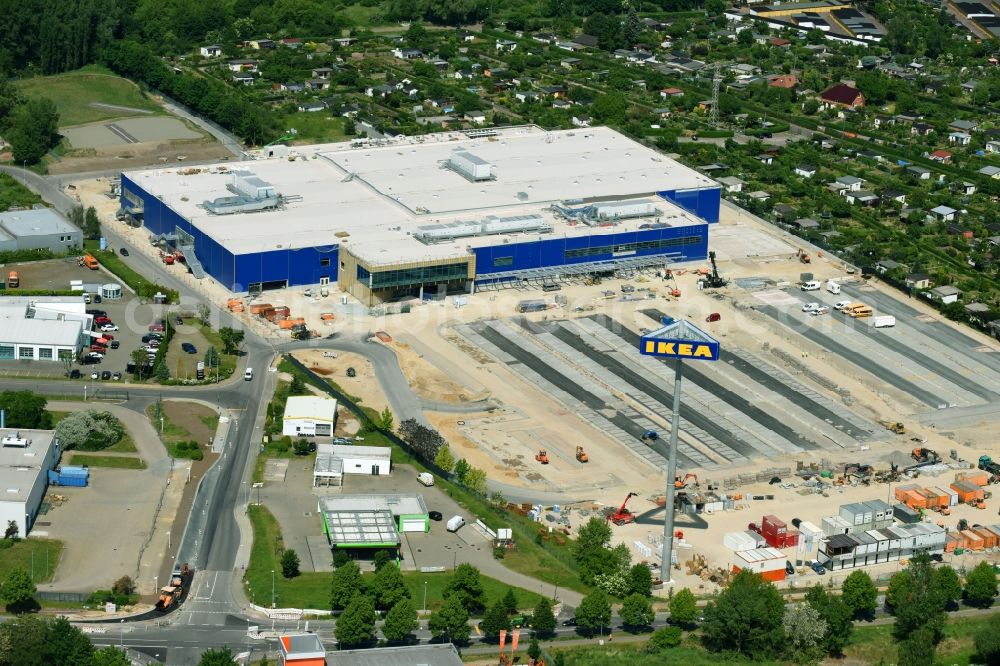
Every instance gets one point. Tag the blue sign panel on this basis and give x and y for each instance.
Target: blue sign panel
(680, 339)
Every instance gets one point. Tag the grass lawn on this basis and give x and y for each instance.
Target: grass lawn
(74, 92)
(111, 261)
(227, 362)
(875, 644)
(312, 590)
(114, 462)
(171, 433)
(361, 15)
(13, 193)
(20, 556)
(123, 445)
(315, 127)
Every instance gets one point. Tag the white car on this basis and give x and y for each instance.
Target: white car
(811, 307)
(107, 328)
(95, 355)
(822, 310)
(840, 305)
(95, 375)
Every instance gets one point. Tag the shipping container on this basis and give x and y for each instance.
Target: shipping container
(905, 514)
(902, 491)
(974, 476)
(972, 540)
(968, 492)
(257, 308)
(880, 510)
(915, 499)
(954, 540)
(738, 541)
(988, 537)
(835, 525)
(951, 493)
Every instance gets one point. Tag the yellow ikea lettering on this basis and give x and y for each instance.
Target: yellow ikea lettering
(704, 351)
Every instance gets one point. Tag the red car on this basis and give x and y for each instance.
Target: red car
(98, 348)
(156, 327)
(101, 320)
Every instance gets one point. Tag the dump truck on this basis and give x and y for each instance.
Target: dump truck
(894, 426)
(170, 595)
(987, 465)
(13, 280)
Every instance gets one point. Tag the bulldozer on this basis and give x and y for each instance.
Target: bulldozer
(581, 455)
(542, 456)
(894, 426)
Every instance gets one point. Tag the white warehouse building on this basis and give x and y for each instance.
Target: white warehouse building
(309, 416)
(43, 328)
(26, 457)
(334, 461)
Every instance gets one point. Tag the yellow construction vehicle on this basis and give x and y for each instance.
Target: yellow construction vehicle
(894, 426)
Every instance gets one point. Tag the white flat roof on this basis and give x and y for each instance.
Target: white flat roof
(395, 504)
(15, 329)
(372, 198)
(351, 451)
(310, 407)
(20, 466)
(35, 222)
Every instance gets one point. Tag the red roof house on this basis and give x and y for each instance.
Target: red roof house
(784, 81)
(842, 96)
(941, 156)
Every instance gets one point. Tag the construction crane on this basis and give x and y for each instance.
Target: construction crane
(581, 455)
(542, 456)
(713, 280)
(623, 516)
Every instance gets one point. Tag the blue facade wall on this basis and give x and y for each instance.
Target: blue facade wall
(298, 266)
(539, 254)
(703, 202)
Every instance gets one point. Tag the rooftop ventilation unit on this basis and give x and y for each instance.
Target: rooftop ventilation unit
(489, 226)
(608, 211)
(472, 167)
(251, 195)
(13, 440)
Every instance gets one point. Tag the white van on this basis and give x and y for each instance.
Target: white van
(248, 375)
(455, 523)
(832, 287)
(812, 285)
(426, 478)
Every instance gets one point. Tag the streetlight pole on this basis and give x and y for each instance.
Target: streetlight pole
(272, 588)
(425, 596)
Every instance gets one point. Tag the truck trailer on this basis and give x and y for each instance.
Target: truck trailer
(884, 321)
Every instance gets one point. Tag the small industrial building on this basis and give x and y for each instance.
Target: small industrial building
(301, 650)
(38, 229)
(334, 461)
(877, 546)
(43, 328)
(438, 654)
(436, 213)
(365, 522)
(309, 416)
(26, 456)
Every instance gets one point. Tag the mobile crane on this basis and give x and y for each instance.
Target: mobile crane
(714, 280)
(623, 516)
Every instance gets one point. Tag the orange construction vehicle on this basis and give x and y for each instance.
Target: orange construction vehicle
(682, 483)
(623, 516)
(804, 256)
(542, 456)
(89, 261)
(581, 455)
(13, 280)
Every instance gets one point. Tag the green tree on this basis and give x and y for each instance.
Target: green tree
(594, 612)
(68, 645)
(860, 594)
(400, 622)
(461, 469)
(664, 639)
(10, 534)
(33, 128)
(640, 579)
(591, 549)
(947, 584)
(919, 648)
(987, 641)
(836, 615)
(204, 314)
(543, 620)
(289, 563)
(231, 339)
(746, 618)
(297, 385)
(917, 601)
(388, 587)
(345, 584)
(17, 591)
(451, 621)
(683, 608)
(162, 372)
(24, 409)
(805, 630)
(381, 559)
(385, 420)
(356, 625)
(124, 585)
(981, 585)
(609, 109)
(475, 480)
(495, 620)
(444, 459)
(301, 446)
(636, 612)
(24, 641)
(111, 656)
(219, 657)
(510, 601)
(467, 587)
(534, 649)
(91, 224)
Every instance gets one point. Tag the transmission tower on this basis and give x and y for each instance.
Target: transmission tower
(713, 112)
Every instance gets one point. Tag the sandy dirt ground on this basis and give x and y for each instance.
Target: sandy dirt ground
(140, 155)
(363, 385)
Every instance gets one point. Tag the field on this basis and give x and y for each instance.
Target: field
(24, 552)
(312, 590)
(13, 193)
(113, 462)
(76, 93)
(315, 127)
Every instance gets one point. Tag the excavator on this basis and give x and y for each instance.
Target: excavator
(680, 483)
(804, 256)
(922, 455)
(581, 455)
(542, 456)
(713, 280)
(623, 516)
(860, 470)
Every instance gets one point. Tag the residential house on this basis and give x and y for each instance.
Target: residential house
(526, 96)
(784, 211)
(243, 79)
(322, 72)
(350, 110)
(894, 196)
(468, 36)
(965, 187)
(862, 197)
(667, 93)
(919, 172)
(317, 84)
(883, 266)
(663, 112)
(942, 156)
(963, 125)
(849, 183)
(959, 138)
(291, 42)
(312, 107)
(969, 87)
(544, 38)
(956, 230)
(569, 63)
(918, 281)
(289, 87)
(977, 310)
(585, 41)
(870, 155)
(946, 294)
(805, 170)
(842, 96)
(561, 104)
(553, 91)
(380, 91)
(242, 65)
(582, 121)
(991, 172)
(787, 81)
(993, 146)
(263, 44)
(921, 129)
(779, 42)
(759, 195)
(944, 213)
(805, 223)
(732, 184)
(407, 54)
(475, 117)
(505, 45)
(881, 121)
(765, 159)
(211, 51)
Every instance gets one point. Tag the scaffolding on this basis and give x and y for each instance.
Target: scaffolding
(569, 273)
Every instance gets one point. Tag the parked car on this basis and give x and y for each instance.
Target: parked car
(115, 344)
(189, 348)
(715, 316)
(434, 515)
(106, 375)
(151, 336)
(101, 349)
(74, 374)
(100, 320)
(86, 360)
(789, 569)
(95, 374)
(109, 327)
(117, 376)
(97, 313)
(818, 568)
(123, 252)
(158, 327)
(154, 343)
(97, 298)
(570, 622)
(809, 307)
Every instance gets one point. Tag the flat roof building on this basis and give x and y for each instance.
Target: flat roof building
(309, 416)
(26, 456)
(443, 211)
(441, 654)
(333, 461)
(371, 521)
(43, 328)
(37, 229)
(301, 650)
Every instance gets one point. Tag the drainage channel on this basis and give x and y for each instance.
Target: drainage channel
(729, 397)
(556, 378)
(774, 384)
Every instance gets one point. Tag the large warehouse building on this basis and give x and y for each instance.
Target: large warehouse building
(441, 212)
(26, 456)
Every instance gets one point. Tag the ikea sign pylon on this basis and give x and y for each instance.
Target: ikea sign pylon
(680, 339)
